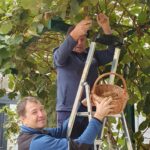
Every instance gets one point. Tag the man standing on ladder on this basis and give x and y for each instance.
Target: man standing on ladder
(69, 59)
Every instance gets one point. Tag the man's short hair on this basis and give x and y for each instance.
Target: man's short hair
(21, 106)
(70, 29)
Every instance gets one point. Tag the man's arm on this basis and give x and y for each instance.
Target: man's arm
(104, 56)
(90, 133)
(59, 132)
(62, 53)
(48, 142)
(103, 21)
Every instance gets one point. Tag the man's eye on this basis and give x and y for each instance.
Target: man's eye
(42, 109)
(34, 112)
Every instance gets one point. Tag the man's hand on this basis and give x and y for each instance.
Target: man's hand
(104, 108)
(81, 28)
(93, 98)
(103, 22)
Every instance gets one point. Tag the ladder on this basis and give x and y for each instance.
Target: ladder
(83, 84)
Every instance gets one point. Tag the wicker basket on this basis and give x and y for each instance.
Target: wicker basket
(118, 94)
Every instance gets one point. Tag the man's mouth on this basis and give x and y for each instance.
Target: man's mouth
(41, 120)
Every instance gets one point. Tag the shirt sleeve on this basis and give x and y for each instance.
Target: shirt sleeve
(62, 53)
(60, 132)
(104, 56)
(46, 142)
(90, 133)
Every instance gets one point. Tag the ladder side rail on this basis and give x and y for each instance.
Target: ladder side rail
(127, 135)
(123, 120)
(80, 88)
(89, 106)
(111, 79)
(114, 65)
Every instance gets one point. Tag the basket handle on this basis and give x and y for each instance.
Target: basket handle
(109, 73)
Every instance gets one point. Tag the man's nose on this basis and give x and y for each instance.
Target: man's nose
(79, 42)
(40, 113)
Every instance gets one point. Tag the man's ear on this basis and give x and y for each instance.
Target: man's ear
(22, 118)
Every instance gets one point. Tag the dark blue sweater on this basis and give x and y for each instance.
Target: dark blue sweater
(56, 137)
(70, 66)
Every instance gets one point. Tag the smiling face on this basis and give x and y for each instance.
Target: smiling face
(35, 115)
(81, 45)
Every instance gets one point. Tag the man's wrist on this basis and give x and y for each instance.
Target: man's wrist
(107, 30)
(99, 117)
(74, 36)
(98, 120)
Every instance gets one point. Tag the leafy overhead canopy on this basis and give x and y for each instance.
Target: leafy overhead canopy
(31, 29)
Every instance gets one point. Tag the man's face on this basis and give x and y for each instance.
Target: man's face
(81, 45)
(35, 116)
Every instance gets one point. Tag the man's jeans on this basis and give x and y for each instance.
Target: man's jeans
(62, 116)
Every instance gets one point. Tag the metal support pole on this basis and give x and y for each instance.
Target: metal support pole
(127, 136)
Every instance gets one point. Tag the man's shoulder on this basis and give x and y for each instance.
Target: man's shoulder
(40, 140)
(55, 49)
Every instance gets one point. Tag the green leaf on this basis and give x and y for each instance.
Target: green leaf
(127, 59)
(146, 70)
(12, 95)
(94, 2)
(121, 141)
(5, 27)
(33, 29)
(33, 5)
(42, 94)
(4, 53)
(2, 46)
(138, 134)
(146, 108)
(74, 7)
(11, 82)
(2, 92)
(142, 18)
(145, 87)
(144, 125)
(16, 39)
(140, 105)
(28, 85)
(1, 11)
